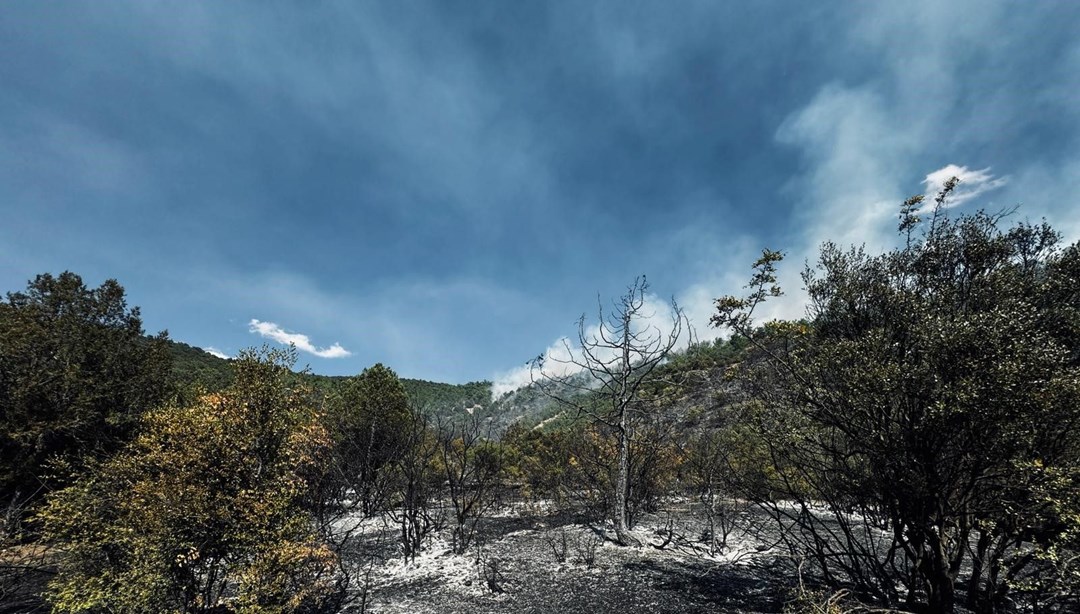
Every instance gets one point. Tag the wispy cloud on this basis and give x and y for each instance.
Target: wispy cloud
(211, 350)
(972, 183)
(852, 182)
(561, 151)
(863, 141)
(272, 331)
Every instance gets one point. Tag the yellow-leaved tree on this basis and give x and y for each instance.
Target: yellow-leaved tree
(206, 510)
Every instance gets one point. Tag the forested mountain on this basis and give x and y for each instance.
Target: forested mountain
(529, 407)
(192, 365)
(195, 366)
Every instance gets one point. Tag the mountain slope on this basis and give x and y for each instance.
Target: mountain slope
(194, 366)
(699, 369)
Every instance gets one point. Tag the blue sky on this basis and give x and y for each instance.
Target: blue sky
(445, 187)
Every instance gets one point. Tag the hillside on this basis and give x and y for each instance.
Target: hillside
(193, 365)
(528, 406)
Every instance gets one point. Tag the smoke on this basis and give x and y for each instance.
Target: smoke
(656, 322)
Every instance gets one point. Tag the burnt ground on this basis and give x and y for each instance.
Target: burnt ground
(511, 567)
(515, 552)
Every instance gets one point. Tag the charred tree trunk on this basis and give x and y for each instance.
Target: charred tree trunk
(622, 489)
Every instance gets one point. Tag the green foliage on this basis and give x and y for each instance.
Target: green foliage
(473, 467)
(371, 420)
(205, 510)
(438, 400)
(196, 369)
(923, 379)
(76, 372)
(708, 355)
(576, 465)
(1053, 577)
(540, 459)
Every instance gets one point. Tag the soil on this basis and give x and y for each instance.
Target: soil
(512, 568)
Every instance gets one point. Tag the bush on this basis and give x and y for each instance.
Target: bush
(933, 390)
(204, 510)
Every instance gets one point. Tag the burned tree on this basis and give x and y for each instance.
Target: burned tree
(415, 486)
(604, 378)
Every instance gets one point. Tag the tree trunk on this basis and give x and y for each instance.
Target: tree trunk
(975, 596)
(622, 488)
(941, 587)
(942, 597)
(622, 481)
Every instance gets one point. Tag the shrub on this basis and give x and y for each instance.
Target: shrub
(205, 510)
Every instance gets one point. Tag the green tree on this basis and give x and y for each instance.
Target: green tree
(207, 510)
(933, 391)
(473, 467)
(76, 371)
(197, 371)
(372, 419)
(416, 485)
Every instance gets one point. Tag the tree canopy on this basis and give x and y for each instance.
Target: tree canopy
(206, 510)
(935, 386)
(76, 371)
(371, 419)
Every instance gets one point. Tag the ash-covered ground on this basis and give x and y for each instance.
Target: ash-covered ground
(512, 567)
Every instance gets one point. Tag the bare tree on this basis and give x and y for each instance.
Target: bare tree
(605, 376)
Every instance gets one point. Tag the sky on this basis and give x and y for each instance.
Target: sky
(446, 187)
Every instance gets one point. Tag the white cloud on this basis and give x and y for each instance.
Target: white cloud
(972, 184)
(211, 350)
(272, 331)
(862, 142)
